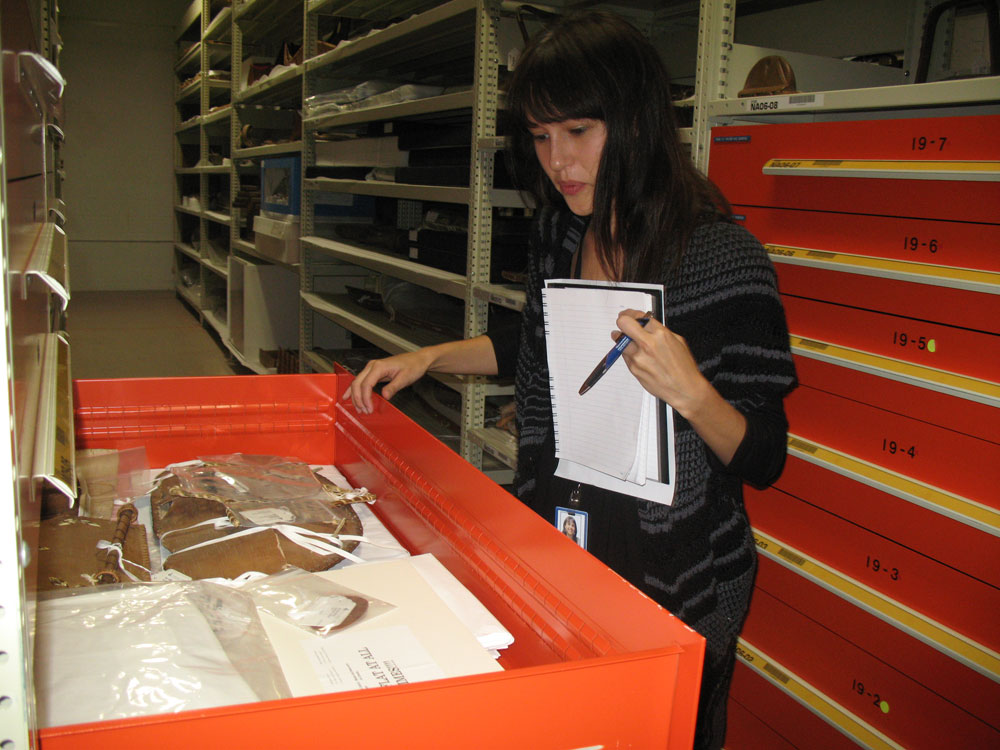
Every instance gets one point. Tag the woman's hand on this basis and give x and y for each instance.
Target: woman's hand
(663, 364)
(473, 356)
(397, 372)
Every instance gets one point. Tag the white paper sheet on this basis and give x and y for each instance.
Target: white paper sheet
(442, 639)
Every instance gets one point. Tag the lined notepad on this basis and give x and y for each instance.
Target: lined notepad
(614, 435)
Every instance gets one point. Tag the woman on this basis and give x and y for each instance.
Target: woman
(593, 138)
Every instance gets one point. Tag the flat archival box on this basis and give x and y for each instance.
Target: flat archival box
(593, 663)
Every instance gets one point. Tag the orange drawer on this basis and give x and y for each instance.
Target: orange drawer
(966, 351)
(964, 415)
(938, 456)
(905, 689)
(942, 243)
(740, 155)
(762, 716)
(976, 310)
(949, 541)
(960, 601)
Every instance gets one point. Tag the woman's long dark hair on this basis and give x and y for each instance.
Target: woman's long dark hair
(649, 195)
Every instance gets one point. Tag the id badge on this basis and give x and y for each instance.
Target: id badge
(573, 523)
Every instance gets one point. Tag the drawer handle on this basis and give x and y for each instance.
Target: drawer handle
(901, 169)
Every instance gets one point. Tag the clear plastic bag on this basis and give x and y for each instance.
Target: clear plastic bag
(312, 602)
(247, 513)
(144, 649)
(239, 476)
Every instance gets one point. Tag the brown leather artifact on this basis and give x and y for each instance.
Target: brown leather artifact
(264, 515)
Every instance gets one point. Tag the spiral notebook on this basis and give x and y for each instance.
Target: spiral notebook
(617, 435)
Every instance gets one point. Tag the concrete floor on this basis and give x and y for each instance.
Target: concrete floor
(141, 335)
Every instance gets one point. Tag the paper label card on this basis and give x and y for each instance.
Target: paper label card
(356, 660)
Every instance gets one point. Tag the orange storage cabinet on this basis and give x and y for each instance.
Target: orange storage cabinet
(594, 662)
(879, 541)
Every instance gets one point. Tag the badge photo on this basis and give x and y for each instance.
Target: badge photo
(573, 524)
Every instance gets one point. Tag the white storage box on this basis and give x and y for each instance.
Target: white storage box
(263, 308)
(277, 239)
(362, 152)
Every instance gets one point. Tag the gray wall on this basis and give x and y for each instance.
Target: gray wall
(118, 63)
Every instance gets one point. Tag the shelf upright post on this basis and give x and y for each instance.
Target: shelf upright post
(310, 36)
(715, 44)
(236, 217)
(17, 720)
(484, 117)
(204, 95)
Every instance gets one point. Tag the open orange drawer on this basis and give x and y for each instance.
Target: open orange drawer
(594, 662)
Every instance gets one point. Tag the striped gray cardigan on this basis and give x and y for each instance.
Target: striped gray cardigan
(697, 556)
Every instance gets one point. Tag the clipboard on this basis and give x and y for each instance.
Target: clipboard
(596, 432)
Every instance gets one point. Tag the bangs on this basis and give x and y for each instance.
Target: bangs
(552, 87)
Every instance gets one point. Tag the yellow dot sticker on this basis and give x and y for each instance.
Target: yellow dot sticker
(884, 705)
(931, 346)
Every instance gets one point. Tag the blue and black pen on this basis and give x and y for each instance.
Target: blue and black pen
(605, 364)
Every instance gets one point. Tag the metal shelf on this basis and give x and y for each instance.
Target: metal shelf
(187, 250)
(188, 91)
(439, 37)
(271, 18)
(190, 60)
(511, 296)
(220, 27)
(275, 149)
(374, 10)
(218, 217)
(219, 116)
(386, 334)
(496, 442)
(371, 325)
(433, 105)
(221, 326)
(438, 193)
(190, 17)
(189, 124)
(283, 88)
(217, 268)
(186, 210)
(967, 92)
(445, 282)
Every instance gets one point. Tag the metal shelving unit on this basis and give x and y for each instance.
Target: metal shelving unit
(202, 106)
(459, 37)
(37, 402)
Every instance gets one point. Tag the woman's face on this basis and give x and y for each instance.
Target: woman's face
(570, 153)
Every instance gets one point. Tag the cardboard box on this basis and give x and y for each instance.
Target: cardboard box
(362, 152)
(277, 239)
